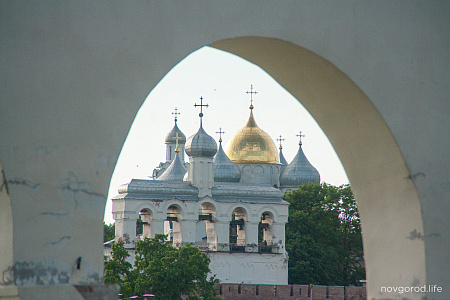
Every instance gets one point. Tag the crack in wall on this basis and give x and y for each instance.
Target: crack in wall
(53, 214)
(72, 184)
(66, 237)
(4, 183)
(27, 183)
(79, 193)
(78, 190)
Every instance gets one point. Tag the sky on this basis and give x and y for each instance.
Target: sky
(222, 79)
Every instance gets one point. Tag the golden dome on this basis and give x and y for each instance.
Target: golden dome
(252, 145)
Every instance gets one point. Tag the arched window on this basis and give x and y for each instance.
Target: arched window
(265, 235)
(237, 230)
(146, 217)
(172, 225)
(207, 217)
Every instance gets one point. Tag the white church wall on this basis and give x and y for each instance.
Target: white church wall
(249, 268)
(258, 173)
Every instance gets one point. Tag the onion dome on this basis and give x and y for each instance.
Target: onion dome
(283, 160)
(201, 144)
(172, 135)
(224, 169)
(175, 172)
(299, 171)
(252, 145)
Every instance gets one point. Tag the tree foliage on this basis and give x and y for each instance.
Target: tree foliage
(117, 268)
(161, 269)
(108, 231)
(323, 236)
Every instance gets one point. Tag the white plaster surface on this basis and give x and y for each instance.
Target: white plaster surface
(249, 268)
(75, 73)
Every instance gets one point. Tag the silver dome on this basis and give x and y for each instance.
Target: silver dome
(299, 171)
(201, 144)
(283, 160)
(224, 169)
(175, 172)
(173, 133)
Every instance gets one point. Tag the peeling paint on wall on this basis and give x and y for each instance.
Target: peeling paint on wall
(41, 273)
(7, 276)
(413, 235)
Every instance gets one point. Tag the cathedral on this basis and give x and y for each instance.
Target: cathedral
(228, 204)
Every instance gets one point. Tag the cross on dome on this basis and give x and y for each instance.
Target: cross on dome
(176, 113)
(300, 135)
(177, 138)
(280, 139)
(201, 107)
(220, 132)
(251, 95)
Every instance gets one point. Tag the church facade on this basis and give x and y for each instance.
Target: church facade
(230, 205)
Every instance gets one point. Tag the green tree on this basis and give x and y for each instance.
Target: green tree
(323, 236)
(109, 231)
(118, 268)
(163, 270)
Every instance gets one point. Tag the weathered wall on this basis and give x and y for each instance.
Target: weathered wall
(74, 74)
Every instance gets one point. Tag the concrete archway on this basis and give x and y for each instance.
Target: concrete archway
(386, 196)
(75, 73)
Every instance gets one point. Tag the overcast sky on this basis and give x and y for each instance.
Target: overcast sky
(222, 79)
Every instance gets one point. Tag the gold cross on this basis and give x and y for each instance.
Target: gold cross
(177, 138)
(300, 136)
(251, 95)
(280, 139)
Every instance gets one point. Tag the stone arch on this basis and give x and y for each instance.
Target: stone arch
(258, 170)
(269, 209)
(265, 234)
(207, 215)
(389, 257)
(146, 215)
(387, 198)
(172, 226)
(239, 217)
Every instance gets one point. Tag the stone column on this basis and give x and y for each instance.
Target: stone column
(211, 235)
(251, 234)
(157, 227)
(126, 227)
(278, 233)
(223, 235)
(188, 231)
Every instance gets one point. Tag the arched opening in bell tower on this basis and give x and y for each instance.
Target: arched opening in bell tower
(172, 225)
(265, 234)
(146, 219)
(207, 218)
(237, 230)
